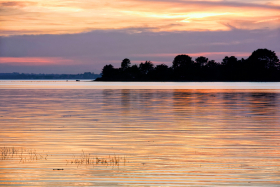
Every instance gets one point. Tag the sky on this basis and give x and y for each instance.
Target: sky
(76, 36)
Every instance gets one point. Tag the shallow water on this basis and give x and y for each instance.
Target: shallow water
(139, 137)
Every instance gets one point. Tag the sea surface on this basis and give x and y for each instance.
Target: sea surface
(84, 133)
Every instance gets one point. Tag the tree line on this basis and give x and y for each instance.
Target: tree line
(261, 65)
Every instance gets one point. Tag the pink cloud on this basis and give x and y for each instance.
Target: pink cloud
(34, 61)
(197, 54)
(217, 56)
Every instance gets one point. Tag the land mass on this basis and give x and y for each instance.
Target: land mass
(261, 65)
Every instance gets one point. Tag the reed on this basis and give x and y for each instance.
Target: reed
(88, 159)
(28, 155)
(23, 155)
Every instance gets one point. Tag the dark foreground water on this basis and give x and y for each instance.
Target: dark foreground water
(139, 137)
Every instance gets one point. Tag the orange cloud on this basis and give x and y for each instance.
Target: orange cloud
(33, 61)
(17, 3)
(73, 16)
(272, 19)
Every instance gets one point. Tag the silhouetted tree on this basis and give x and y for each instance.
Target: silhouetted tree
(211, 64)
(264, 58)
(199, 70)
(182, 61)
(161, 68)
(146, 67)
(134, 72)
(212, 71)
(162, 72)
(201, 61)
(182, 65)
(125, 64)
(229, 61)
(109, 71)
(231, 68)
(262, 65)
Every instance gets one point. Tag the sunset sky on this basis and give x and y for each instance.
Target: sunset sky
(75, 36)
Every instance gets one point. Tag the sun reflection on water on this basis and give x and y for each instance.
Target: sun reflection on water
(158, 137)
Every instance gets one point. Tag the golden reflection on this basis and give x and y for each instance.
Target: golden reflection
(157, 137)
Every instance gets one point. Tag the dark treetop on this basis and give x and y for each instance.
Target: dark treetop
(262, 65)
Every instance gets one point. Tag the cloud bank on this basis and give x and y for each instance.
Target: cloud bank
(76, 53)
(75, 16)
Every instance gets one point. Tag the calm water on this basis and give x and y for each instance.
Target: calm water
(216, 134)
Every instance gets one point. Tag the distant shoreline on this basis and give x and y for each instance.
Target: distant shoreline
(97, 80)
(32, 76)
(128, 81)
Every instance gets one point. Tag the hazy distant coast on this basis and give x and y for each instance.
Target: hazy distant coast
(16, 76)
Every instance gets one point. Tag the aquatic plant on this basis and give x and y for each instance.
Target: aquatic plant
(28, 155)
(88, 159)
(21, 154)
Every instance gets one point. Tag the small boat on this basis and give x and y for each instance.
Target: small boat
(77, 80)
